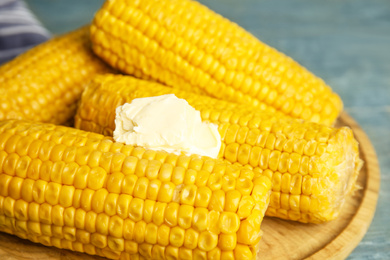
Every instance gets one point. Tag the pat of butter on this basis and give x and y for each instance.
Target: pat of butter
(166, 123)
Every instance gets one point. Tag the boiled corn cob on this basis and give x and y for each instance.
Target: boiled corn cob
(312, 167)
(185, 45)
(78, 190)
(44, 83)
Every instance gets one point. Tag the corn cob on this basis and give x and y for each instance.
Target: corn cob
(78, 190)
(185, 45)
(44, 83)
(312, 167)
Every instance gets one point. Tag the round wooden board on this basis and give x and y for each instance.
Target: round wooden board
(282, 239)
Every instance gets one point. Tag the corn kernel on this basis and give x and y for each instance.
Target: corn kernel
(188, 195)
(200, 220)
(114, 182)
(171, 252)
(185, 216)
(166, 192)
(176, 237)
(139, 231)
(153, 189)
(97, 178)
(129, 183)
(203, 197)
(98, 240)
(171, 214)
(217, 201)
(98, 200)
(128, 229)
(52, 193)
(110, 204)
(158, 252)
(229, 222)
(163, 235)
(136, 209)
(151, 233)
(141, 188)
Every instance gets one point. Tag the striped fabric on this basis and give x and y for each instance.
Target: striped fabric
(19, 29)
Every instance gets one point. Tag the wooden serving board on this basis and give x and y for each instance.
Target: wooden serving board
(282, 239)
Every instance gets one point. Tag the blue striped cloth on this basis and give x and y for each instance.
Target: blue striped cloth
(19, 29)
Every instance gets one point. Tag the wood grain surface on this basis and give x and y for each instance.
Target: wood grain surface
(282, 239)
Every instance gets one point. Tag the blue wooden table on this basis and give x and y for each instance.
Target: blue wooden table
(345, 42)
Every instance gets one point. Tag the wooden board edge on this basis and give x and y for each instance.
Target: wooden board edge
(339, 248)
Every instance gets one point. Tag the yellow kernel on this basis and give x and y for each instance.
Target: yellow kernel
(244, 185)
(185, 216)
(188, 194)
(22, 166)
(228, 255)
(86, 199)
(14, 187)
(171, 252)
(139, 231)
(79, 219)
(21, 210)
(116, 244)
(131, 247)
(114, 182)
(128, 229)
(128, 184)
(34, 169)
(176, 237)
(66, 196)
(166, 171)
(171, 214)
(57, 215)
(81, 177)
(217, 201)
(136, 209)
(233, 198)
(185, 253)
(214, 254)
(153, 189)
(227, 242)
(110, 204)
(148, 210)
(191, 238)
(207, 241)
(229, 222)
(97, 178)
(178, 175)
(140, 169)
(98, 200)
(202, 178)
(69, 217)
(163, 235)
(52, 193)
(158, 252)
(159, 213)
(166, 192)
(141, 188)
(190, 177)
(129, 165)
(200, 220)
(98, 240)
(203, 197)
(26, 190)
(151, 233)
(242, 252)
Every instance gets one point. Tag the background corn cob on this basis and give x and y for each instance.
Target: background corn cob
(312, 167)
(44, 83)
(79, 190)
(185, 45)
